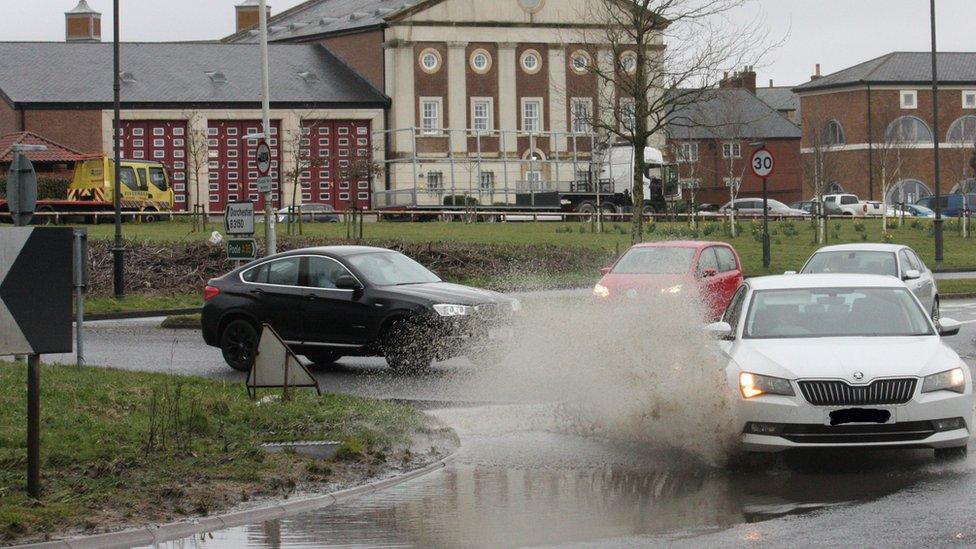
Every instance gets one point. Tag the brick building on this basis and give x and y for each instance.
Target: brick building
(711, 140)
(191, 105)
(872, 123)
(491, 97)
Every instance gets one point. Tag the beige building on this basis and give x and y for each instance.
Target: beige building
(488, 99)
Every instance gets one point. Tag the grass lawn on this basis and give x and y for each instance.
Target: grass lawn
(136, 302)
(123, 447)
(790, 247)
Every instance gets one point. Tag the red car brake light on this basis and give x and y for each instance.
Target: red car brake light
(210, 292)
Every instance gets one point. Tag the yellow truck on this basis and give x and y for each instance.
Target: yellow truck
(145, 188)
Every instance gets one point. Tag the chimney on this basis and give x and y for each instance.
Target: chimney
(82, 24)
(249, 14)
(817, 73)
(770, 82)
(746, 79)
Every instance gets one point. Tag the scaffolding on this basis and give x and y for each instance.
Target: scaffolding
(464, 168)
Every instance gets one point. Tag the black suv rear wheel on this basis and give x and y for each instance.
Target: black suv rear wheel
(239, 344)
(321, 357)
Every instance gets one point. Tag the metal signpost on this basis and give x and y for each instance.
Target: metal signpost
(762, 164)
(22, 187)
(271, 239)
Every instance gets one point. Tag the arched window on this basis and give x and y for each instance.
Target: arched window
(963, 130)
(966, 186)
(835, 188)
(908, 129)
(834, 134)
(907, 191)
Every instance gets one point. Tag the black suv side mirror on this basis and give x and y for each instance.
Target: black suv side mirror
(348, 282)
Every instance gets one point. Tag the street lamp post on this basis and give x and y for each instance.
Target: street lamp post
(117, 250)
(270, 237)
(935, 149)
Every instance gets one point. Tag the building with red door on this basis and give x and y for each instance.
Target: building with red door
(872, 126)
(193, 105)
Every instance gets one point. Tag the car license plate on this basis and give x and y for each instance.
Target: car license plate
(864, 416)
(501, 333)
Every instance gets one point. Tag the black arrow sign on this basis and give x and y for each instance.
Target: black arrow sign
(35, 290)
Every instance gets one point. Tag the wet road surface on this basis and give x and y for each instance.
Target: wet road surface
(522, 480)
(516, 482)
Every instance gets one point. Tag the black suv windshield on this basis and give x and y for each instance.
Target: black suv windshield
(391, 269)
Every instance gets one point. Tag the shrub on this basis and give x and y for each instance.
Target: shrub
(887, 237)
(48, 188)
(460, 200)
(859, 226)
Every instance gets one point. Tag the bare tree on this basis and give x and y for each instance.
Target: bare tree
(819, 167)
(644, 82)
(960, 159)
(296, 152)
(197, 157)
(688, 159)
(888, 150)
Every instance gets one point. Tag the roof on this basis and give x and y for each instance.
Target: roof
(730, 113)
(866, 247)
(82, 8)
(780, 98)
(322, 17)
(803, 281)
(679, 244)
(178, 73)
(55, 151)
(901, 67)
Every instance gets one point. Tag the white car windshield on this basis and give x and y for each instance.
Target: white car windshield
(655, 260)
(391, 269)
(851, 261)
(834, 312)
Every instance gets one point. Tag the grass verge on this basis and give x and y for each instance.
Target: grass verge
(958, 286)
(120, 448)
(181, 322)
(139, 302)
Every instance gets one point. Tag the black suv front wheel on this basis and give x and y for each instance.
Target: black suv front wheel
(239, 344)
(407, 347)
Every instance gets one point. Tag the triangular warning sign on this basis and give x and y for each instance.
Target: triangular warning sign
(276, 366)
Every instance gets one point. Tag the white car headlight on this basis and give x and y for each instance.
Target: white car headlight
(516, 305)
(949, 380)
(753, 385)
(676, 289)
(448, 309)
(601, 291)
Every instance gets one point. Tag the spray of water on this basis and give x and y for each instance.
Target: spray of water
(637, 370)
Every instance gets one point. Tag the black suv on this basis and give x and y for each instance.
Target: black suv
(338, 301)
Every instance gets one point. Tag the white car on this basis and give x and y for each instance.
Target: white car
(842, 361)
(852, 205)
(883, 259)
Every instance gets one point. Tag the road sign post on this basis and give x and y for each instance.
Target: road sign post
(35, 314)
(21, 190)
(762, 164)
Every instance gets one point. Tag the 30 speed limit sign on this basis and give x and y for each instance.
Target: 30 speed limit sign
(762, 163)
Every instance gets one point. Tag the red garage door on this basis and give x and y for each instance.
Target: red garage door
(232, 168)
(340, 172)
(163, 141)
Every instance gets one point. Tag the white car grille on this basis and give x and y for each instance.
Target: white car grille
(841, 393)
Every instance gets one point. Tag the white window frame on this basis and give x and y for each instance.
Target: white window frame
(490, 115)
(969, 99)
(903, 101)
(587, 126)
(689, 151)
(437, 127)
(434, 177)
(539, 125)
(731, 149)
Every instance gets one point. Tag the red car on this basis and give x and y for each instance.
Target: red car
(670, 266)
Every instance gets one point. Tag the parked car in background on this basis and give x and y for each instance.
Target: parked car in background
(708, 207)
(336, 301)
(880, 259)
(712, 268)
(850, 204)
(311, 213)
(917, 210)
(810, 207)
(842, 361)
(952, 204)
(754, 207)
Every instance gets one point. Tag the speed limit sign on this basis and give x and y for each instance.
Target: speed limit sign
(263, 156)
(762, 163)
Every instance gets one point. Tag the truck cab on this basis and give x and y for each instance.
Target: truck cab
(145, 184)
(660, 179)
